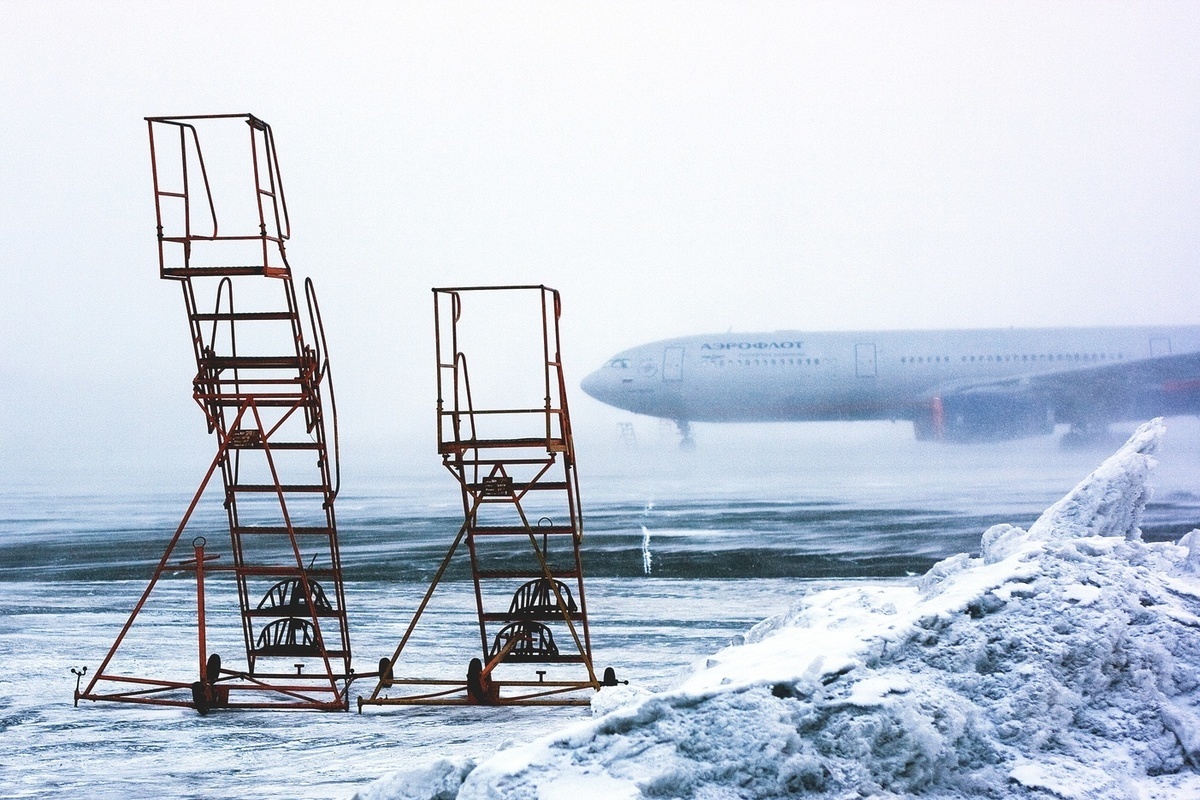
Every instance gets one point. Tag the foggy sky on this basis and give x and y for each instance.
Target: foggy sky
(672, 168)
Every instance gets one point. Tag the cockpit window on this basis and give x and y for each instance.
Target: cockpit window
(619, 363)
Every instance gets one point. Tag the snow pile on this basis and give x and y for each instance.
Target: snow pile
(437, 781)
(1063, 662)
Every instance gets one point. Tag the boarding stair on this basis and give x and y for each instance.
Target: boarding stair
(522, 525)
(263, 383)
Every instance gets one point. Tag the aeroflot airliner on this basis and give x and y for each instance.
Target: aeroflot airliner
(963, 385)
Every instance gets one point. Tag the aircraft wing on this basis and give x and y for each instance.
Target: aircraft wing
(1086, 396)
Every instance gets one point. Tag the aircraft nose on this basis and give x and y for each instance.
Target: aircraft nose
(595, 385)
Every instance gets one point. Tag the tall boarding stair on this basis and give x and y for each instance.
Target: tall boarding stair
(263, 383)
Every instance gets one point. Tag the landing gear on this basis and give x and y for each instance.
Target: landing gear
(686, 442)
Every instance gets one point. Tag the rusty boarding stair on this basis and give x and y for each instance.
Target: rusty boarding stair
(522, 522)
(263, 383)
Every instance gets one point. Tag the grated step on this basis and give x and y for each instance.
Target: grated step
(252, 362)
(299, 613)
(518, 530)
(204, 272)
(257, 445)
(280, 530)
(552, 616)
(296, 651)
(261, 401)
(313, 488)
(490, 491)
(280, 572)
(454, 446)
(523, 574)
(243, 316)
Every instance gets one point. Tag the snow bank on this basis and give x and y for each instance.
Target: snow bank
(437, 781)
(1064, 661)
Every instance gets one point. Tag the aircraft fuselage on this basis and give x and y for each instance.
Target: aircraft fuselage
(1057, 374)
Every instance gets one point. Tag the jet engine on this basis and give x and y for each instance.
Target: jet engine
(984, 417)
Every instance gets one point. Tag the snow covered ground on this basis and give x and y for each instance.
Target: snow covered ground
(1063, 662)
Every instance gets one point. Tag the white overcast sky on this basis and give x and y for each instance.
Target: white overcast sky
(672, 168)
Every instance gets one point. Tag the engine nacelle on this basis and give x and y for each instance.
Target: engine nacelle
(983, 417)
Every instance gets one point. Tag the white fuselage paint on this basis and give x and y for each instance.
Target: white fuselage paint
(791, 375)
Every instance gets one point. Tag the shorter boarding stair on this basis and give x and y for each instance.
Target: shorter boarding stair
(523, 527)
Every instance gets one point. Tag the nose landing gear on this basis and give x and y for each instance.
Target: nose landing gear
(686, 442)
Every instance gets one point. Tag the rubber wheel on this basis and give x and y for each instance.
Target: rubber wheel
(200, 697)
(385, 672)
(213, 668)
(475, 681)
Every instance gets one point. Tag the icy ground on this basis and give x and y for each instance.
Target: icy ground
(1062, 662)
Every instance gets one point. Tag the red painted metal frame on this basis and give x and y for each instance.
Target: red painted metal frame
(507, 473)
(263, 408)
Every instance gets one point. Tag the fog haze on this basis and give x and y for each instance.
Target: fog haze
(671, 168)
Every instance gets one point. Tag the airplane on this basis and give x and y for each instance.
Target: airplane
(953, 385)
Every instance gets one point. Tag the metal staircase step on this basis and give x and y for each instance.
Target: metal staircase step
(554, 616)
(460, 463)
(286, 380)
(243, 316)
(280, 571)
(518, 530)
(280, 530)
(299, 613)
(520, 487)
(524, 574)
(222, 271)
(260, 400)
(454, 446)
(296, 651)
(252, 362)
(312, 488)
(257, 445)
